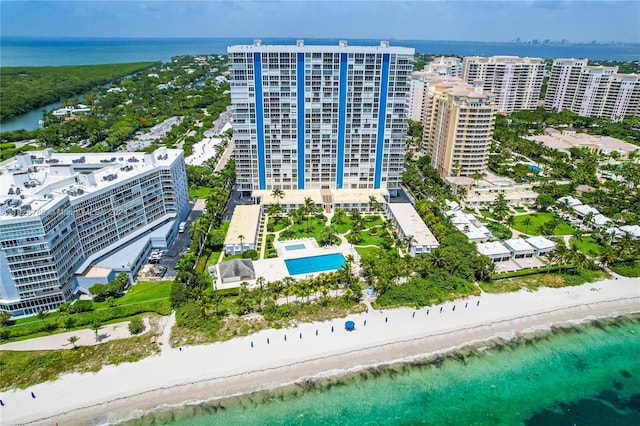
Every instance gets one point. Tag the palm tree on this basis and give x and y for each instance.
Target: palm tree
(277, 194)
(241, 238)
(462, 194)
(73, 340)
(526, 222)
(309, 207)
(42, 314)
(509, 221)
(476, 176)
(339, 215)
(96, 326)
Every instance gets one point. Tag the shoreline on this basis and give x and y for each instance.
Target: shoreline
(197, 374)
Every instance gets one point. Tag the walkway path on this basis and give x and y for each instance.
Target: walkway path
(86, 337)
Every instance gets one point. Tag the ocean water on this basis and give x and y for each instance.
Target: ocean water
(71, 51)
(588, 374)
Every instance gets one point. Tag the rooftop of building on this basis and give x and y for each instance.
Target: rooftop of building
(540, 243)
(518, 244)
(243, 222)
(564, 140)
(339, 196)
(32, 181)
(492, 248)
(300, 46)
(412, 224)
(504, 59)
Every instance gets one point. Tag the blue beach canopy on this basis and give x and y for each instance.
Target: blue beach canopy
(350, 325)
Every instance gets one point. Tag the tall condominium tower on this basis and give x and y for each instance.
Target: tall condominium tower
(515, 81)
(441, 66)
(458, 124)
(62, 213)
(314, 117)
(592, 91)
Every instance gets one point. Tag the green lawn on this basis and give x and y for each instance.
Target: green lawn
(299, 230)
(278, 223)
(143, 291)
(520, 209)
(343, 227)
(199, 192)
(488, 214)
(540, 219)
(368, 252)
(499, 231)
(588, 245)
(627, 269)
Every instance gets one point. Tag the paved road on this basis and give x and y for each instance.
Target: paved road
(181, 242)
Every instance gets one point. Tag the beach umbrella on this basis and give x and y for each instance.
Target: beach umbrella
(349, 325)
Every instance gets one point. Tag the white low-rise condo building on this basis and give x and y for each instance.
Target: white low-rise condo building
(62, 213)
(495, 250)
(410, 226)
(541, 245)
(243, 229)
(519, 248)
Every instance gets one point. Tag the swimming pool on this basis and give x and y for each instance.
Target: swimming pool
(308, 265)
(534, 168)
(294, 247)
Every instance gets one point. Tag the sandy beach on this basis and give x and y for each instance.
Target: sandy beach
(266, 360)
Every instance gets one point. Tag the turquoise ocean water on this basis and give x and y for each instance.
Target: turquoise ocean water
(584, 375)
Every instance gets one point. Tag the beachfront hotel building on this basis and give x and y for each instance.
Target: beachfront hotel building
(458, 123)
(68, 221)
(319, 117)
(515, 81)
(592, 91)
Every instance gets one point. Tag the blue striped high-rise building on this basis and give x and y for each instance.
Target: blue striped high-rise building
(316, 117)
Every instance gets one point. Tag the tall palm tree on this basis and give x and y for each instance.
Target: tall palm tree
(309, 207)
(339, 215)
(277, 194)
(241, 238)
(509, 221)
(526, 222)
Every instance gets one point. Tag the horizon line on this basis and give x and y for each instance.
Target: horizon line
(540, 42)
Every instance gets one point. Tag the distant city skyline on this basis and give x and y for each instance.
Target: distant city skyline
(480, 20)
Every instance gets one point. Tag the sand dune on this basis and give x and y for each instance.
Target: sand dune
(266, 360)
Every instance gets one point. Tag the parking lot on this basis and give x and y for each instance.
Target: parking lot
(181, 243)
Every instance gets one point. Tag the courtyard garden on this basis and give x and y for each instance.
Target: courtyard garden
(542, 223)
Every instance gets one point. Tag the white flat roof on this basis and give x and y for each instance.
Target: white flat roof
(44, 177)
(243, 222)
(585, 209)
(517, 244)
(296, 196)
(471, 231)
(257, 46)
(412, 224)
(493, 248)
(634, 230)
(540, 243)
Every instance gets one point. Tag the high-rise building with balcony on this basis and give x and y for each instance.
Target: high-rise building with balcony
(61, 213)
(458, 123)
(314, 117)
(592, 91)
(516, 82)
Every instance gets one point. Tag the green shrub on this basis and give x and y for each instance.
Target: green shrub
(136, 326)
(81, 306)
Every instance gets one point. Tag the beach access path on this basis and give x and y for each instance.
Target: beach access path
(266, 359)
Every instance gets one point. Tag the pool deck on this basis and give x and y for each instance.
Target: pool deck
(275, 269)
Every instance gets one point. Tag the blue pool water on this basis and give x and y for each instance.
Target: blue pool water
(294, 247)
(534, 168)
(307, 265)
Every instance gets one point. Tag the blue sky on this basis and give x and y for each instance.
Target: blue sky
(480, 20)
